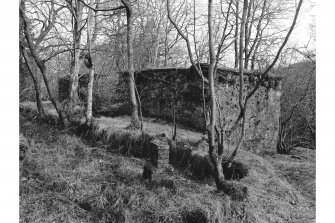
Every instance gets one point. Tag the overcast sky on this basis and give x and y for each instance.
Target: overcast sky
(302, 31)
(305, 19)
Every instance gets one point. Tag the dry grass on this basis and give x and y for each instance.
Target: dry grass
(151, 127)
(66, 180)
(271, 193)
(31, 108)
(299, 170)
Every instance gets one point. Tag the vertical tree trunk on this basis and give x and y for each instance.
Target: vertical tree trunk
(130, 36)
(36, 82)
(254, 55)
(242, 102)
(166, 47)
(246, 32)
(76, 61)
(90, 66)
(90, 96)
(242, 41)
(74, 83)
(236, 34)
(256, 40)
(217, 162)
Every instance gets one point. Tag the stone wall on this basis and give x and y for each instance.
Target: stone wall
(163, 91)
(64, 87)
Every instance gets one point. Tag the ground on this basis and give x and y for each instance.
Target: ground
(63, 178)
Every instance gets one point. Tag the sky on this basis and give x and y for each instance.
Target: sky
(307, 17)
(301, 33)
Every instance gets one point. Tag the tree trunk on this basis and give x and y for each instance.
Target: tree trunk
(74, 83)
(246, 32)
(62, 117)
(90, 66)
(242, 49)
(236, 34)
(135, 122)
(254, 55)
(242, 102)
(166, 47)
(216, 161)
(90, 97)
(76, 61)
(218, 172)
(36, 82)
(257, 39)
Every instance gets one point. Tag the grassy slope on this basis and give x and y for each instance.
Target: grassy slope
(299, 170)
(65, 180)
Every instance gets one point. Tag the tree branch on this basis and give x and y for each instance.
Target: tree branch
(102, 10)
(263, 75)
(186, 40)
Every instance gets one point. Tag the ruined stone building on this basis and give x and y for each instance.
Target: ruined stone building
(167, 91)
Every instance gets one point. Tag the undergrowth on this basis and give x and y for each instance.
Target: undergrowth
(65, 180)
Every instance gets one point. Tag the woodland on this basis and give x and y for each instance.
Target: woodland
(79, 163)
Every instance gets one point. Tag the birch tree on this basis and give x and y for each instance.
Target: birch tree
(131, 82)
(76, 9)
(90, 64)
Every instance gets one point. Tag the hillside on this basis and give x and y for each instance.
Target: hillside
(65, 178)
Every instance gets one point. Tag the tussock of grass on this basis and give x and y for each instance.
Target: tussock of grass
(235, 190)
(123, 141)
(195, 216)
(235, 170)
(201, 166)
(180, 154)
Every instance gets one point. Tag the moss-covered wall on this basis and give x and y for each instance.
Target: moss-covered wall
(163, 90)
(64, 87)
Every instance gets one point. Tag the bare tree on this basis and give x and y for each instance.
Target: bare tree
(31, 70)
(248, 51)
(76, 8)
(236, 32)
(218, 175)
(130, 38)
(187, 41)
(221, 133)
(34, 75)
(89, 64)
(263, 75)
(297, 120)
(33, 47)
